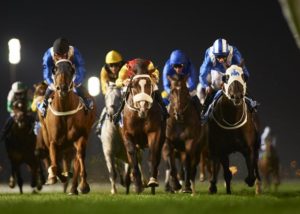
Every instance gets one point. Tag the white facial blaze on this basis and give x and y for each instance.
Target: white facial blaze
(235, 74)
(142, 96)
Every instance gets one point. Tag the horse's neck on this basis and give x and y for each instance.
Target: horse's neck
(66, 103)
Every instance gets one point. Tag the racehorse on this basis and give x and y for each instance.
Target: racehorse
(41, 150)
(111, 138)
(144, 126)
(183, 134)
(269, 165)
(66, 127)
(232, 128)
(20, 147)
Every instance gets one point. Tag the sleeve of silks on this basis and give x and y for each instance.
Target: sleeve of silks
(103, 79)
(122, 76)
(48, 66)
(9, 103)
(154, 74)
(192, 80)
(166, 83)
(205, 69)
(34, 105)
(79, 65)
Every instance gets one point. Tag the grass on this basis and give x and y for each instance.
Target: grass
(243, 200)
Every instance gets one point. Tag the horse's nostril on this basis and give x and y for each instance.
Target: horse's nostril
(57, 88)
(232, 96)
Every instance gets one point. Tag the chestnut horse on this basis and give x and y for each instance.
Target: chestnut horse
(20, 147)
(144, 126)
(183, 134)
(231, 128)
(41, 150)
(67, 126)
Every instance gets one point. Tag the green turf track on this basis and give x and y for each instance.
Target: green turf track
(243, 200)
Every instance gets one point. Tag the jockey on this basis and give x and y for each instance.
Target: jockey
(63, 50)
(124, 79)
(217, 59)
(109, 73)
(180, 64)
(18, 91)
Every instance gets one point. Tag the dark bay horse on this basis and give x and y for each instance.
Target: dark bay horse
(66, 127)
(269, 162)
(112, 142)
(20, 147)
(144, 126)
(183, 134)
(231, 128)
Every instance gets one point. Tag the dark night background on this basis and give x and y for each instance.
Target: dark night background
(152, 29)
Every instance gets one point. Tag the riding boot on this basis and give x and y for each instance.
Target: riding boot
(100, 122)
(6, 129)
(208, 100)
(197, 104)
(159, 99)
(86, 100)
(116, 116)
(43, 107)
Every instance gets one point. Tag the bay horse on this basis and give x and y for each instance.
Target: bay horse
(112, 142)
(20, 147)
(269, 163)
(183, 134)
(143, 123)
(232, 128)
(66, 127)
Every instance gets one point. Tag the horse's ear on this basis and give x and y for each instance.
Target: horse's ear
(225, 78)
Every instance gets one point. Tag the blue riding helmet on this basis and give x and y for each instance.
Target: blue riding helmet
(178, 57)
(220, 47)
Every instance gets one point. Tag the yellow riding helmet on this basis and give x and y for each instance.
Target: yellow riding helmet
(113, 57)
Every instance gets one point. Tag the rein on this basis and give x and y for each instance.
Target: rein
(236, 125)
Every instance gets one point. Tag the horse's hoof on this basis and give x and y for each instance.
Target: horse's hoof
(39, 187)
(175, 184)
(250, 181)
(51, 181)
(12, 182)
(212, 190)
(73, 193)
(152, 182)
(85, 189)
(187, 190)
(168, 188)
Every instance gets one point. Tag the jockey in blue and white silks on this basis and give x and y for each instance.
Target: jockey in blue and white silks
(63, 50)
(217, 59)
(180, 64)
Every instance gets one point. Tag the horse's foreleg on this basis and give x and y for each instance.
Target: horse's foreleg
(250, 162)
(227, 173)
(110, 163)
(19, 179)
(174, 183)
(215, 171)
(52, 170)
(155, 146)
(81, 148)
(76, 168)
(202, 175)
(133, 159)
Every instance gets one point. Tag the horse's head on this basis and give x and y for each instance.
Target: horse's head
(235, 84)
(19, 111)
(112, 99)
(179, 96)
(141, 87)
(63, 77)
(40, 88)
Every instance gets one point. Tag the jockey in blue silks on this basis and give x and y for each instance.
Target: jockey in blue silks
(63, 50)
(180, 64)
(217, 59)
